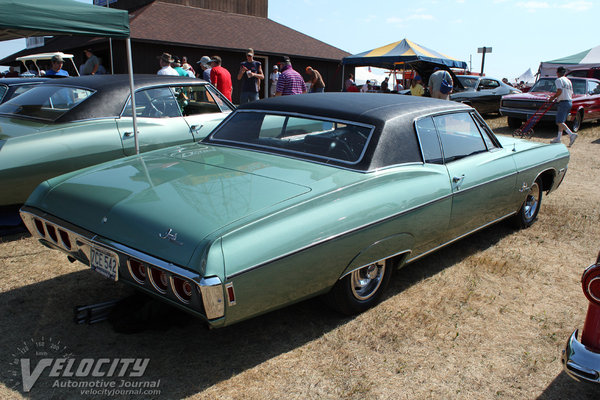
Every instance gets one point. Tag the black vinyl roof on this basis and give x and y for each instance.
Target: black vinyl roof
(112, 91)
(369, 108)
(394, 139)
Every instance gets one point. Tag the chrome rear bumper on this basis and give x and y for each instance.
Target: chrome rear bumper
(579, 362)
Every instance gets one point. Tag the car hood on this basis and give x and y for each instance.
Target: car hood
(195, 194)
(535, 96)
(16, 127)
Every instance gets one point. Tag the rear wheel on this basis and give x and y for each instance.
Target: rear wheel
(531, 207)
(513, 122)
(576, 124)
(361, 289)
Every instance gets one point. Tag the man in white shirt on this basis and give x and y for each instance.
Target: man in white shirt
(274, 77)
(365, 88)
(165, 61)
(564, 99)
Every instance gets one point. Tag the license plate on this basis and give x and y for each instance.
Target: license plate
(104, 262)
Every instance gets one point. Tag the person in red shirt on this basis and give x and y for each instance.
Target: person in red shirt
(220, 77)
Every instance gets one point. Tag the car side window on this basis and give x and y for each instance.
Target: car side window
(593, 88)
(430, 143)
(198, 99)
(459, 135)
(154, 103)
(486, 133)
(489, 84)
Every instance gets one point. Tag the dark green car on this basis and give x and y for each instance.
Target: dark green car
(67, 124)
(294, 197)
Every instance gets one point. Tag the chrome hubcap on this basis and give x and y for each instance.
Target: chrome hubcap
(532, 202)
(367, 280)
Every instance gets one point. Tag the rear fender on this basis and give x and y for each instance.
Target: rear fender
(391, 246)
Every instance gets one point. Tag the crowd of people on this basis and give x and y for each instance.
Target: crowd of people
(284, 80)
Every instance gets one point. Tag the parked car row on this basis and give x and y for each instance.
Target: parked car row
(63, 125)
(241, 211)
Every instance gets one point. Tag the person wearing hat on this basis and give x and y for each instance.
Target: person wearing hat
(205, 66)
(91, 65)
(220, 77)
(290, 82)
(165, 61)
(273, 78)
(416, 86)
(250, 74)
(56, 67)
(176, 65)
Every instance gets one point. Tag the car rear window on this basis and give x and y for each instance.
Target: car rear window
(46, 102)
(301, 136)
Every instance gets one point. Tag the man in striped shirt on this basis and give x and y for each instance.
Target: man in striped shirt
(290, 81)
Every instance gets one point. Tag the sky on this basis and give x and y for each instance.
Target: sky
(521, 33)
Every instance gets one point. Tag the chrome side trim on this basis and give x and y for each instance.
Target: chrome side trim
(460, 237)
(338, 235)
(212, 295)
(376, 261)
(579, 362)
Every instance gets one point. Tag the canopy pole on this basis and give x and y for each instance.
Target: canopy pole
(132, 91)
(343, 75)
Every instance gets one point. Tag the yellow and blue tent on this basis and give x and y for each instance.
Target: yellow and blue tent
(402, 52)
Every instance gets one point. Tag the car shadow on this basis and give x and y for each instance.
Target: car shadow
(543, 130)
(564, 387)
(187, 357)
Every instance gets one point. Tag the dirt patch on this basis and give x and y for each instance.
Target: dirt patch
(484, 318)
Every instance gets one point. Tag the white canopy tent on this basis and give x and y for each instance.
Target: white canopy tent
(585, 60)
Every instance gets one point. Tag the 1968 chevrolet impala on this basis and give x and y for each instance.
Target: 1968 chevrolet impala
(294, 197)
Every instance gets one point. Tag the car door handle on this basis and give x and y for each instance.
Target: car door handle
(196, 128)
(457, 180)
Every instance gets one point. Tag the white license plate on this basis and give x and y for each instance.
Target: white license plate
(104, 262)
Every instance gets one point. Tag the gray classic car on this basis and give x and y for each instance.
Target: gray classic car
(482, 92)
(294, 197)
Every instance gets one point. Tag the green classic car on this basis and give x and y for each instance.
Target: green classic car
(67, 124)
(294, 197)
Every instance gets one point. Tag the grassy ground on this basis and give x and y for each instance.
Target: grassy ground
(485, 318)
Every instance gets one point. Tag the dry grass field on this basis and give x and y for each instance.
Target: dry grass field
(485, 318)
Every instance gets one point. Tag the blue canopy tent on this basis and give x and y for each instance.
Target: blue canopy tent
(404, 53)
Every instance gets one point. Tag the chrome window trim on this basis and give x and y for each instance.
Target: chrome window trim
(243, 145)
(168, 86)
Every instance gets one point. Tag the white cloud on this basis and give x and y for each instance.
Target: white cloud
(426, 17)
(533, 6)
(578, 5)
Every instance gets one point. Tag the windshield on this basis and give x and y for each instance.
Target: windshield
(547, 85)
(45, 102)
(302, 136)
(468, 82)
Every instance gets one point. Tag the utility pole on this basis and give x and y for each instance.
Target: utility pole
(483, 50)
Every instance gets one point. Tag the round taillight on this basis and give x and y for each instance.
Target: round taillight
(159, 279)
(182, 289)
(590, 282)
(137, 269)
